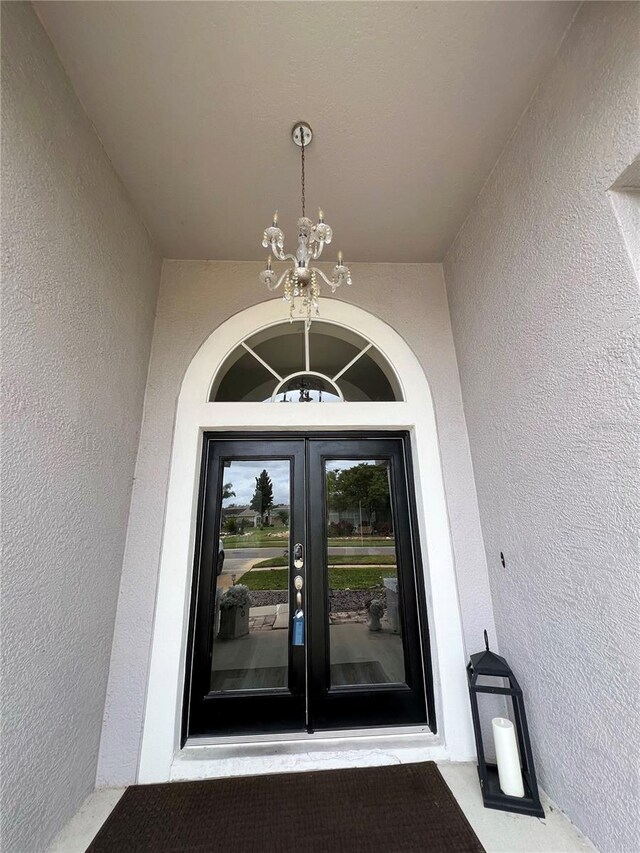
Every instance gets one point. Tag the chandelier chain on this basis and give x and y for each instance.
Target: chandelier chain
(302, 168)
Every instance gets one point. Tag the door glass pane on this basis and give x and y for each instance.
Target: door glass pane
(251, 618)
(365, 629)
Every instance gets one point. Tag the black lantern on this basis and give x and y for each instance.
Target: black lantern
(493, 666)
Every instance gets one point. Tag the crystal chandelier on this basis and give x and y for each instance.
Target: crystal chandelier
(301, 285)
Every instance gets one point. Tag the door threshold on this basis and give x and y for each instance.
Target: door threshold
(207, 758)
(307, 737)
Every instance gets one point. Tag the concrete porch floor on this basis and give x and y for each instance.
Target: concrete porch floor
(499, 832)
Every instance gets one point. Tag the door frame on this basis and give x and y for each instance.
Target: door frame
(161, 750)
(206, 545)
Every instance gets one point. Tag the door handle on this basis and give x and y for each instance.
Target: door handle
(298, 581)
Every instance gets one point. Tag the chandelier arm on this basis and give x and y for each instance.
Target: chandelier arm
(275, 286)
(326, 280)
(317, 250)
(280, 255)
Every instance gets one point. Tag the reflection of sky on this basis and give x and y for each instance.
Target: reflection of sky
(243, 476)
(342, 464)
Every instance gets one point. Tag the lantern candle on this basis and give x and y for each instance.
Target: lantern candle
(509, 773)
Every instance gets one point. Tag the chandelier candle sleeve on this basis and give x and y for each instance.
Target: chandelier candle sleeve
(507, 758)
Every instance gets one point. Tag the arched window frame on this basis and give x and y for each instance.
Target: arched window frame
(366, 347)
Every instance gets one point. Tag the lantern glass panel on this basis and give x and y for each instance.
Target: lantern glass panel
(491, 705)
(492, 681)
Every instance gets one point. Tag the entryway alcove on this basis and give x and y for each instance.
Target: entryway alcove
(340, 687)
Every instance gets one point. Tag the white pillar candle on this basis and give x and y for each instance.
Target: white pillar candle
(509, 773)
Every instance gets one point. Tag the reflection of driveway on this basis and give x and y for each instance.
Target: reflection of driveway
(263, 553)
(385, 549)
(266, 553)
(234, 565)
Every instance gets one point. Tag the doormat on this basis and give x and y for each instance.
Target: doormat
(358, 672)
(402, 808)
(250, 679)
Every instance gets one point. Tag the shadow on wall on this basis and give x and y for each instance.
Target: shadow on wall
(625, 198)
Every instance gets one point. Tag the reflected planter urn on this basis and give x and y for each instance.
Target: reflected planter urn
(234, 613)
(234, 623)
(376, 612)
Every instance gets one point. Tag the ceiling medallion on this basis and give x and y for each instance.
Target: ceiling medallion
(301, 286)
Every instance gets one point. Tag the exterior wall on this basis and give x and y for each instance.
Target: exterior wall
(195, 298)
(80, 282)
(544, 306)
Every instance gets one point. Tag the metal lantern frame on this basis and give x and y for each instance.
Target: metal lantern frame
(487, 663)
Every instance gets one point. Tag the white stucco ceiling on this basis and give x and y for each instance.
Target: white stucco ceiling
(411, 104)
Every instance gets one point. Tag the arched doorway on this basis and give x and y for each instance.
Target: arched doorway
(206, 416)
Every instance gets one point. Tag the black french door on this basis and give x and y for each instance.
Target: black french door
(307, 606)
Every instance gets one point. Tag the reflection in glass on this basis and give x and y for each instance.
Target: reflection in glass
(251, 617)
(366, 381)
(283, 352)
(365, 630)
(243, 379)
(308, 388)
(332, 348)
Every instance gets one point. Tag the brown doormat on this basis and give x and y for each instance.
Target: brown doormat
(392, 809)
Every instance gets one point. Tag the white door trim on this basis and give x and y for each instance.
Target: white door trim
(160, 747)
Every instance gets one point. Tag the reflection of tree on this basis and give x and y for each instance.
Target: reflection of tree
(231, 525)
(227, 491)
(363, 485)
(262, 499)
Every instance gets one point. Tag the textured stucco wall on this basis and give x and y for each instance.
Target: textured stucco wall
(80, 280)
(195, 297)
(544, 306)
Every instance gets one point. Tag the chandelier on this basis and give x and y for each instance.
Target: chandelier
(301, 285)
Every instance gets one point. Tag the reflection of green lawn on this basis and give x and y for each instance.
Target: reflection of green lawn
(338, 578)
(278, 538)
(268, 538)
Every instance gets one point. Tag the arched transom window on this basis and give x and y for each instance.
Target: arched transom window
(290, 363)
